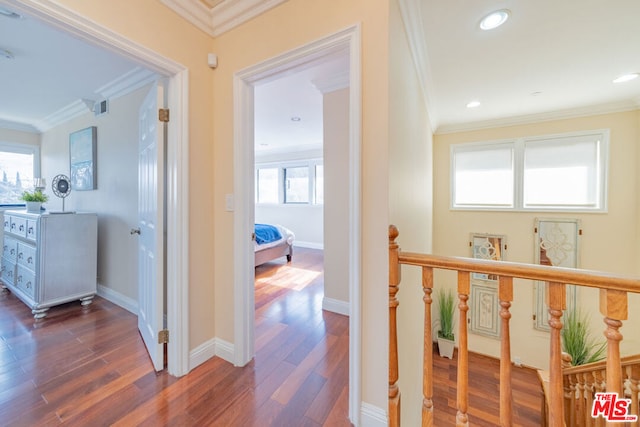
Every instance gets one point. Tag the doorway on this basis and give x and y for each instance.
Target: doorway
(177, 162)
(244, 82)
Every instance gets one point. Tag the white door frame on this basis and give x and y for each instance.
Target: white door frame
(244, 274)
(177, 199)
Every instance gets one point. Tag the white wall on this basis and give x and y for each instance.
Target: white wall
(116, 198)
(304, 220)
(336, 199)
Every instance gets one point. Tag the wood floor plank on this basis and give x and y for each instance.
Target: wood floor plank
(88, 366)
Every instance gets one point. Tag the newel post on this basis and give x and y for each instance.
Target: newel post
(394, 286)
(613, 305)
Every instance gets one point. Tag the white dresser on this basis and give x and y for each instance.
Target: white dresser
(49, 259)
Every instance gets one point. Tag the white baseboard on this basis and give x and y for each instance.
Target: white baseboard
(372, 416)
(209, 349)
(309, 245)
(225, 350)
(335, 306)
(118, 299)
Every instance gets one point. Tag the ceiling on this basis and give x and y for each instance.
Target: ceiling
(550, 59)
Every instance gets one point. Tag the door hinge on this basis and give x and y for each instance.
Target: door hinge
(163, 336)
(163, 115)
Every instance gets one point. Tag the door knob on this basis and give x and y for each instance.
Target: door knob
(134, 231)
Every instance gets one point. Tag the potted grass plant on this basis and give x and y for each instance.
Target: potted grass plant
(578, 342)
(34, 199)
(446, 338)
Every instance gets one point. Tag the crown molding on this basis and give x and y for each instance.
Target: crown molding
(127, 83)
(224, 16)
(411, 12)
(19, 126)
(332, 83)
(593, 110)
(193, 11)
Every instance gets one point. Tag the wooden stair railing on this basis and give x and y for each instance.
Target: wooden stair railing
(581, 383)
(613, 306)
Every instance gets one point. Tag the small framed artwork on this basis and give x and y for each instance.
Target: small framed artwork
(82, 156)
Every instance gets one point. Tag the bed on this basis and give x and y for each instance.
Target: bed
(272, 242)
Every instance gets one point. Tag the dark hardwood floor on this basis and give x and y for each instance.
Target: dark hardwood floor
(89, 367)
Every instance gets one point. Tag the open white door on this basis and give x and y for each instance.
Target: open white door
(151, 293)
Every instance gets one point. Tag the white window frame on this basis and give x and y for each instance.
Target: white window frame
(19, 148)
(518, 146)
(281, 166)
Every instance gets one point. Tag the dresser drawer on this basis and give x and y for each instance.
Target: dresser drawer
(7, 271)
(25, 280)
(32, 229)
(18, 226)
(10, 249)
(27, 256)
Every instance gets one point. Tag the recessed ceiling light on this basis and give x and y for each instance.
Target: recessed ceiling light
(295, 119)
(494, 19)
(473, 104)
(626, 78)
(9, 13)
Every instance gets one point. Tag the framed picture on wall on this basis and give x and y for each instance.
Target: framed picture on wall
(82, 158)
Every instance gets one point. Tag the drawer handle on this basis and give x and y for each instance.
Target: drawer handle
(28, 284)
(21, 227)
(30, 230)
(30, 260)
(13, 251)
(13, 226)
(20, 255)
(20, 278)
(6, 223)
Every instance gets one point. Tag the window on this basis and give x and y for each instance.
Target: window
(319, 187)
(560, 172)
(18, 166)
(267, 185)
(296, 185)
(291, 183)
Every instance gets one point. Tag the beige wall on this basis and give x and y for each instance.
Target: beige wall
(336, 196)
(609, 241)
(290, 25)
(410, 206)
(156, 27)
(116, 198)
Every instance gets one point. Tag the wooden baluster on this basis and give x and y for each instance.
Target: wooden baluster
(556, 300)
(569, 384)
(462, 419)
(394, 286)
(580, 408)
(634, 386)
(427, 369)
(613, 305)
(599, 387)
(505, 294)
(589, 394)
